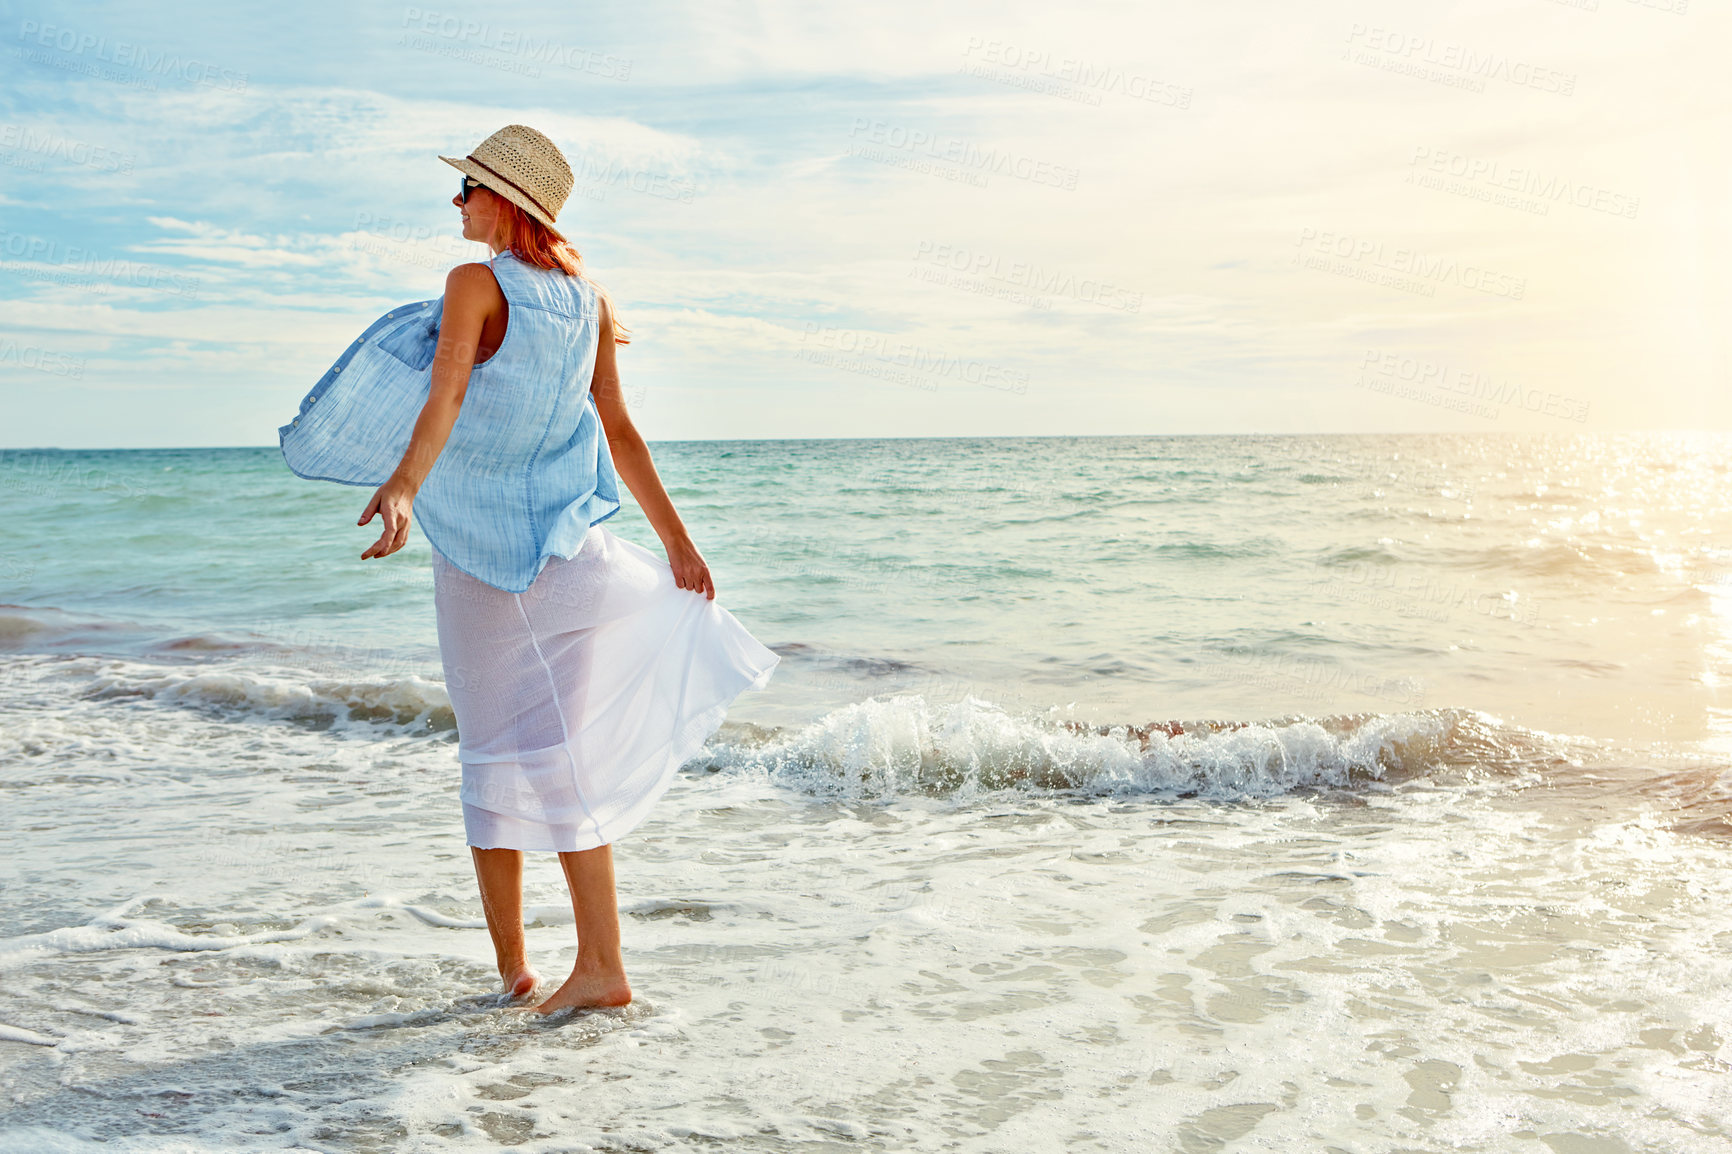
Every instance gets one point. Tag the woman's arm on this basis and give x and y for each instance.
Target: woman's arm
(471, 294)
(631, 459)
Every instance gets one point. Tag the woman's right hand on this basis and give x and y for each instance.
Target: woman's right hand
(690, 570)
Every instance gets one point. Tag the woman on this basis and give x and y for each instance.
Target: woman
(582, 669)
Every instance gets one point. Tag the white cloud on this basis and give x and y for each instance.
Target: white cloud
(305, 209)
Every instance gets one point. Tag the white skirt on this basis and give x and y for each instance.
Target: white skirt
(578, 699)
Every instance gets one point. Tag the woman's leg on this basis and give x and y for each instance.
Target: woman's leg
(500, 873)
(598, 977)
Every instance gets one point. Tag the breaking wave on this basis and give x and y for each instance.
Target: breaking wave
(904, 746)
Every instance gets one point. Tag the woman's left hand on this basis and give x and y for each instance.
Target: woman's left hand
(690, 571)
(392, 501)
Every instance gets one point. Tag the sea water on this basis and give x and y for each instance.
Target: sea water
(1195, 794)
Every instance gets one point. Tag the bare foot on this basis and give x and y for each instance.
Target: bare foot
(520, 980)
(588, 988)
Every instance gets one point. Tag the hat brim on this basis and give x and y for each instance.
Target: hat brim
(469, 168)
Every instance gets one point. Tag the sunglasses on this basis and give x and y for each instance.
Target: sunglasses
(466, 186)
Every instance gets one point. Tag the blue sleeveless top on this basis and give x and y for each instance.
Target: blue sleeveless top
(526, 470)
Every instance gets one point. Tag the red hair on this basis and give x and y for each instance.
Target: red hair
(535, 243)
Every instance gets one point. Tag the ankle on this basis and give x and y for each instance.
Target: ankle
(599, 963)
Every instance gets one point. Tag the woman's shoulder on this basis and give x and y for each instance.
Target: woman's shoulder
(476, 276)
(472, 288)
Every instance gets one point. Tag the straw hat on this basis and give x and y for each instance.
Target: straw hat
(524, 167)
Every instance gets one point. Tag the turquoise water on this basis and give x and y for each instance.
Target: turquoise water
(1122, 761)
(1138, 578)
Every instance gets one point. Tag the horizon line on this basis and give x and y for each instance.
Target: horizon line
(955, 437)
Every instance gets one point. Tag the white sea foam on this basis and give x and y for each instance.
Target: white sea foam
(879, 747)
(431, 917)
(115, 931)
(906, 922)
(285, 694)
(905, 745)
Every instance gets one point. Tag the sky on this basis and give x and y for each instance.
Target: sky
(829, 220)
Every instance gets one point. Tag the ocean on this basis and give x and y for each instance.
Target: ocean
(1336, 793)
